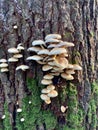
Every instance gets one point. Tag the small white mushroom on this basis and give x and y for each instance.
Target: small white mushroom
(22, 119)
(20, 48)
(34, 49)
(19, 110)
(18, 56)
(63, 109)
(22, 67)
(70, 71)
(54, 36)
(56, 51)
(46, 81)
(77, 67)
(48, 101)
(48, 76)
(38, 42)
(35, 57)
(43, 51)
(52, 93)
(65, 44)
(44, 97)
(3, 60)
(3, 117)
(67, 76)
(45, 90)
(3, 65)
(12, 59)
(4, 70)
(13, 50)
(52, 41)
(46, 67)
(51, 87)
(15, 27)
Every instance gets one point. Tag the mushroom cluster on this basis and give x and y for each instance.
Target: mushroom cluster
(17, 54)
(3, 65)
(52, 54)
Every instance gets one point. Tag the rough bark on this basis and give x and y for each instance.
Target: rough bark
(75, 20)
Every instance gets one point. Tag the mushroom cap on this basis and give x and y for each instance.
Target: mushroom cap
(52, 93)
(52, 46)
(66, 44)
(3, 60)
(35, 57)
(4, 70)
(20, 48)
(41, 62)
(44, 97)
(70, 66)
(61, 62)
(51, 63)
(50, 87)
(43, 51)
(13, 50)
(18, 56)
(70, 71)
(48, 76)
(12, 59)
(34, 49)
(77, 67)
(67, 76)
(22, 67)
(48, 101)
(56, 51)
(45, 90)
(3, 65)
(54, 36)
(46, 81)
(52, 41)
(46, 67)
(55, 73)
(38, 42)
(63, 109)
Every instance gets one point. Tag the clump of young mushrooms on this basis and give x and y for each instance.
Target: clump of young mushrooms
(52, 54)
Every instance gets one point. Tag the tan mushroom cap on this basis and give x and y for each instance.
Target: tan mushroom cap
(51, 63)
(43, 51)
(3, 60)
(20, 48)
(54, 36)
(50, 87)
(18, 56)
(4, 70)
(3, 65)
(48, 101)
(38, 42)
(46, 81)
(22, 67)
(35, 57)
(63, 109)
(12, 59)
(41, 62)
(61, 62)
(34, 49)
(67, 76)
(45, 90)
(13, 50)
(46, 67)
(70, 66)
(70, 71)
(53, 93)
(66, 44)
(44, 97)
(48, 76)
(52, 46)
(52, 41)
(56, 51)
(77, 67)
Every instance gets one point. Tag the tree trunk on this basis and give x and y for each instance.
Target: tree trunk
(77, 22)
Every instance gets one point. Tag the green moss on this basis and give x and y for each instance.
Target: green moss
(32, 113)
(6, 121)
